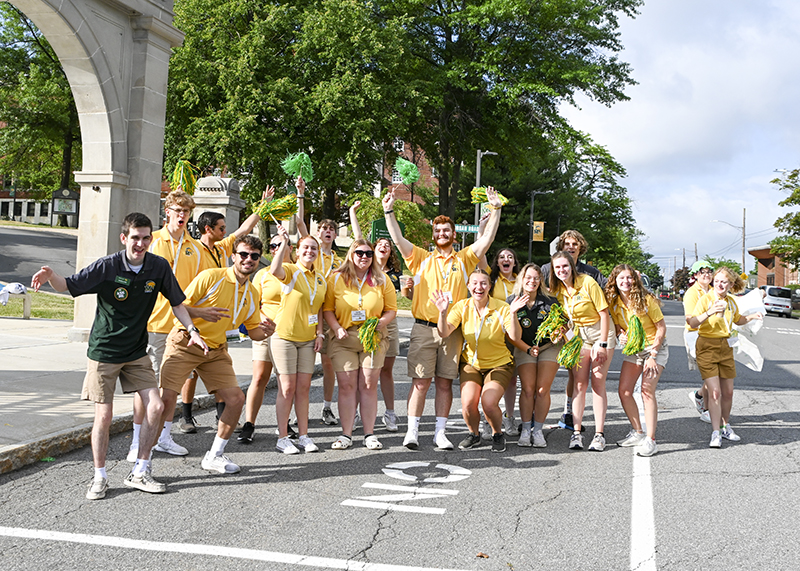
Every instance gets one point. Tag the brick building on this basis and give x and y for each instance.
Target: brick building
(771, 269)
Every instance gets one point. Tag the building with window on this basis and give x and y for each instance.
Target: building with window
(771, 269)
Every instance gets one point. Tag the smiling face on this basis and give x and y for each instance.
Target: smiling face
(443, 235)
(136, 244)
(721, 284)
(478, 286)
(573, 248)
(383, 249)
(362, 258)
(703, 277)
(531, 282)
(243, 261)
(563, 269)
(624, 281)
(307, 251)
(506, 262)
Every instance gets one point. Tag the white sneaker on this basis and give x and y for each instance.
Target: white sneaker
(631, 439)
(307, 444)
(647, 447)
(98, 489)
(598, 443)
(411, 441)
(705, 417)
(716, 440)
(171, 447)
(509, 427)
(538, 439)
(441, 441)
(286, 446)
(133, 453)
(728, 434)
(221, 464)
(390, 421)
(697, 402)
(524, 438)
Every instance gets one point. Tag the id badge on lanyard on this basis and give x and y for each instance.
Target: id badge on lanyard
(233, 336)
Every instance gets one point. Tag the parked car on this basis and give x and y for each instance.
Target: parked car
(778, 300)
(665, 295)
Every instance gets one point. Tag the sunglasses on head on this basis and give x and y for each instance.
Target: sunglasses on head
(253, 255)
(363, 253)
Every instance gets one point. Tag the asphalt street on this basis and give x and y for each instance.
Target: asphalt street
(23, 252)
(688, 507)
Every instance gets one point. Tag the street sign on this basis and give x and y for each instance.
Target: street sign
(467, 228)
(379, 230)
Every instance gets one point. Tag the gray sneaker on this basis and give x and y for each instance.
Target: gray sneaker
(538, 439)
(509, 426)
(145, 483)
(633, 438)
(187, 426)
(390, 421)
(524, 438)
(598, 443)
(98, 489)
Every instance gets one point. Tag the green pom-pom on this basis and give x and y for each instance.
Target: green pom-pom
(298, 164)
(282, 209)
(570, 354)
(369, 336)
(636, 337)
(184, 177)
(555, 321)
(479, 196)
(408, 171)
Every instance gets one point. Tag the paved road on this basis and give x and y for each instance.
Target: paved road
(23, 252)
(688, 507)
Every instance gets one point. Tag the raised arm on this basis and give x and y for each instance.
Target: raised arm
(357, 235)
(48, 274)
(405, 247)
(251, 221)
(302, 229)
(276, 268)
(481, 245)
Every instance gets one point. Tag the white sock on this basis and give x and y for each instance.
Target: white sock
(413, 422)
(389, 411)
(100, 473)
(441, 423)
(327, 404)
(568, 406)
(137, 428)
(165, 434)
(219, 446)
(140, 467)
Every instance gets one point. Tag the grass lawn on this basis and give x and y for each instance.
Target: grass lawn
(43, 306)
(403, 302)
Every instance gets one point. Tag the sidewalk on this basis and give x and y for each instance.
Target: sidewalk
(40, 385)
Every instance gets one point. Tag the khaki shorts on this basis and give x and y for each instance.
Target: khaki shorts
(292, 357)
(639, 358)
(392, 339)
(550, 353)
(502, 375)
(101, 379)
(715, 358)
(431, 356)
(348, 354)
(156, 344)
(591, 336)
(180, 359)
(261, 351)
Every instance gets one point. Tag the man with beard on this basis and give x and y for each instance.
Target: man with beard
(217, 287)
(445, 270)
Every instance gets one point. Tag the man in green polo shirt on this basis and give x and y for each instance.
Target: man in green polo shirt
(127, 284)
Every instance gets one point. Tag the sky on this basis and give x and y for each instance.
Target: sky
(714, 115)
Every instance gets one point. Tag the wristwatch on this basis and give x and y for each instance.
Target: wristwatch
(193, 329)
(603, 344)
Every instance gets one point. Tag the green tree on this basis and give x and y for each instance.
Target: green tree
(788, 243)
(719, 262)
(680, 280)
(40, 142)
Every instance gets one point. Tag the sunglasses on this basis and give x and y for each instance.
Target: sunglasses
(274, 246)
(364, 253)
(707, 271)
(253, 255)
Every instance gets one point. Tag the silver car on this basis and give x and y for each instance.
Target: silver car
(778, 300)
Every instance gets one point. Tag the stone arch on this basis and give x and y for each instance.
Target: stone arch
(115, 54)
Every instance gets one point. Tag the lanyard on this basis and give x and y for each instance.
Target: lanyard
(214, 254)
(238, 305)
(322, 264)
(360, 285)
(728, 322)
(176, 253)
(445, 272)
(310, 295)
(478, 328)
(505, 287)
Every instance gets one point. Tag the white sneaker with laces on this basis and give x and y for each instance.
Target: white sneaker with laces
(98, 489)
(716, 440)
(171, 447)
(705, 417)
(307, 444)
(411, 441)
(221, 464)
(698, 402)
(286, 446)
(598, 443)
(633, 438)
(524, 438)
(538, 439)
(390, 421)
(728, 434)
(441, 441)
(509, 427)
(647, 447)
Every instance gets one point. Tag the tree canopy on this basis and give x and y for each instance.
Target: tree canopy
(788, 243)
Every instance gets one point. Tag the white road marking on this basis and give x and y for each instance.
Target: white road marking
(643, 532)
(392, 488)
(211, 550)
(396, 470)
(392, 507)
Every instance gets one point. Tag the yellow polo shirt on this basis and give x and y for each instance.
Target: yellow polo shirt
(621, 314)
(269, 292)
(219, 256)
(717, 326)
(434, 271)
(342, 299)
(485, 339)
(690, 299)
(503, 288)
(297, 288)
(184, 256)
(585, 305)
(326, 263)
(218, 287)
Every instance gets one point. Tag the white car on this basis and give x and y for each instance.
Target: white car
(778, 300)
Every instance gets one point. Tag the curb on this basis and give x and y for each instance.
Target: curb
(59, 443)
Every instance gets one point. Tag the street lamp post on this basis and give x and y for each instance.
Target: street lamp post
(742, 228)
(530, 232)
(481, 154)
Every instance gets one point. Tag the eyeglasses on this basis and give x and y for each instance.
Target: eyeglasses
(274, 246)
(707, 271)
(364, 253)
(253, 255)
(178, 210)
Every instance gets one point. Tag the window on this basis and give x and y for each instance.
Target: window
(31, 209)
(17, 208)
(434, 174)
(770, 279)
(396, 178)
(399, 145)
(44, 208)
(4, 208)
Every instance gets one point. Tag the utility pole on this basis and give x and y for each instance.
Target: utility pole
(481, 154)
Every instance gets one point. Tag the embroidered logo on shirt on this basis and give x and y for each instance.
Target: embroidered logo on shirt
(525, 322)
(149, 286)
(188, 251)
(121, 294)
